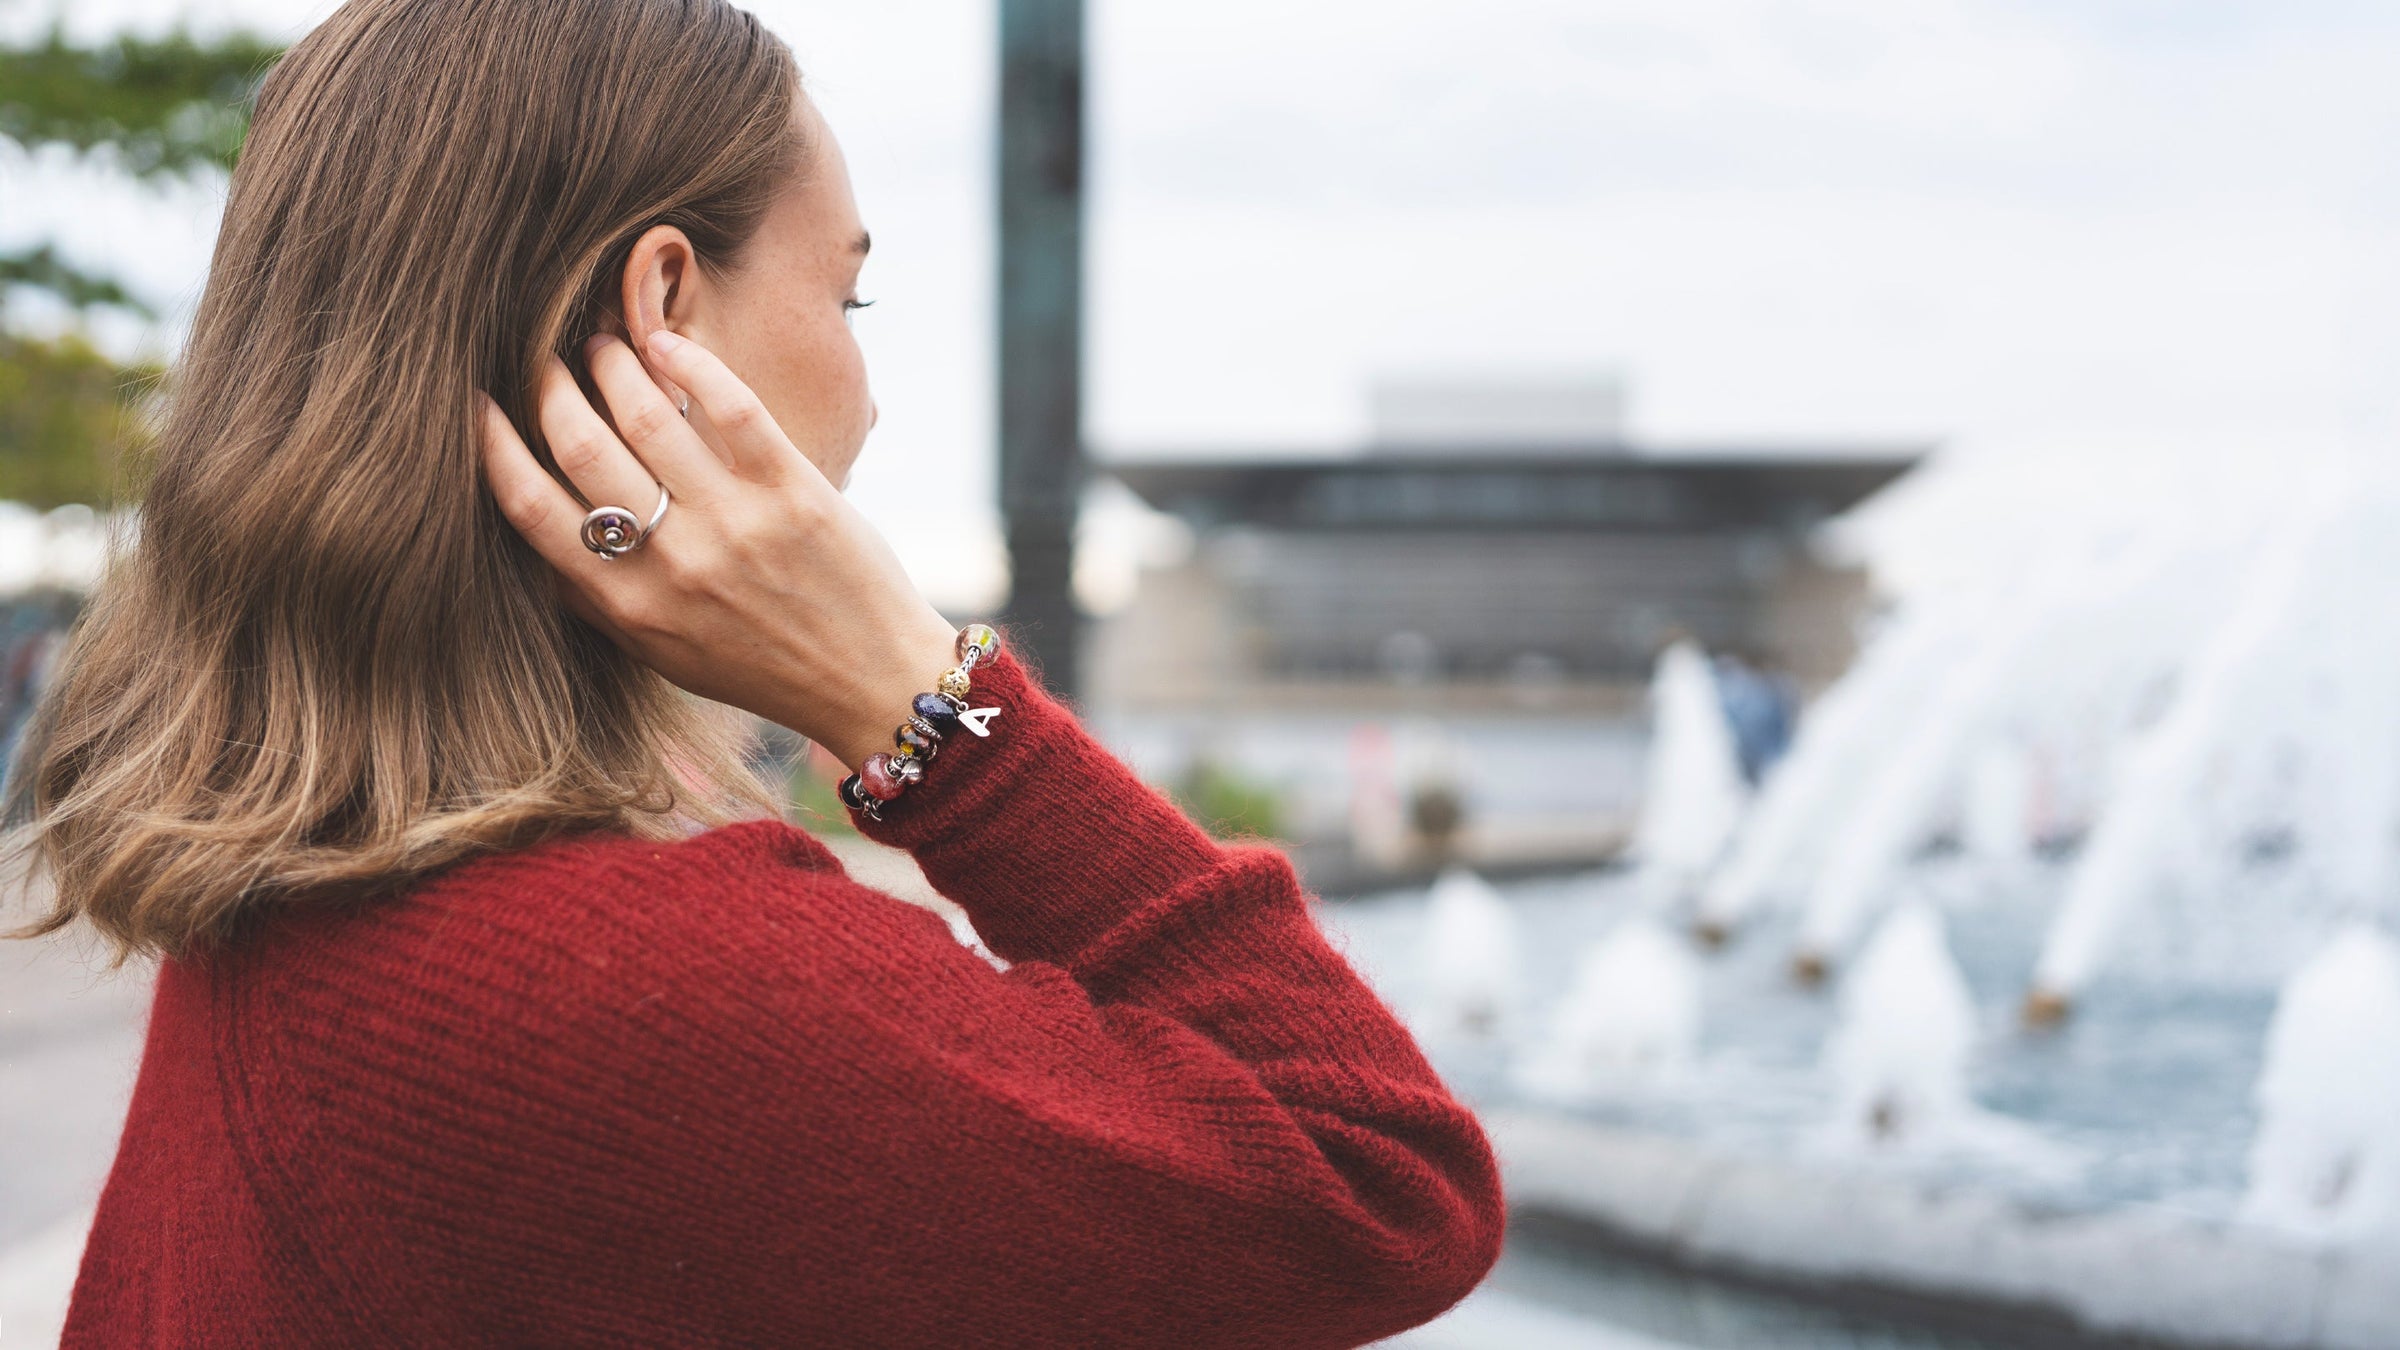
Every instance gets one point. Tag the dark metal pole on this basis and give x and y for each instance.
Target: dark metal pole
(1041, 325)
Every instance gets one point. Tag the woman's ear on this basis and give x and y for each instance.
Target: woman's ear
(661, 292)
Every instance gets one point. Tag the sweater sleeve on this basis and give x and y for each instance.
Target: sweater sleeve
(1259, 1068)
(1047, 840)
(750, 1101)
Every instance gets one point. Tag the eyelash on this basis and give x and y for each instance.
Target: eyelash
(856, 304)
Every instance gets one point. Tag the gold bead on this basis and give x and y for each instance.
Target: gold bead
(954, 682)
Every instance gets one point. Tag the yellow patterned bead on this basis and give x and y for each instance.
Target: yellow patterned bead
(979, 639)
(954, 682)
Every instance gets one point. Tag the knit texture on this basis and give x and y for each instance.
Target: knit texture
(716, 1093)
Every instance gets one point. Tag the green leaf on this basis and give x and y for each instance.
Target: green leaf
(1227, 804)
(71, 420)
(41, 267)
(166, 106)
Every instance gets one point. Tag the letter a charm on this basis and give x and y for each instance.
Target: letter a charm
(978, 720)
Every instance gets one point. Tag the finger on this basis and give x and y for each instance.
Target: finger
(649, 425)
(747, 429)
(529, 498)
(587, 452)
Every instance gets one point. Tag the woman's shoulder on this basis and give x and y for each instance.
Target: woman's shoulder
(749, 845)
(581, 951)
(609, 896)
(575, 917)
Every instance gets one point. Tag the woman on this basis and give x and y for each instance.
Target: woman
(496, 1007)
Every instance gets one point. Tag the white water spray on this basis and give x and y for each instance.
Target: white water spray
(1928, 764)
(1469, 956)
(1839, 737)
(2131, 845)
(1695, 794)
(2326, 1161)
(1631, 1015)
(1898, 1056)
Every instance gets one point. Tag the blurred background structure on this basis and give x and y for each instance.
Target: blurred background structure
(1804, 579)
(1362, 629)
(1041, 191)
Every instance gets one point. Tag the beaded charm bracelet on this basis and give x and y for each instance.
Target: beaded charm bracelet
(931, 716)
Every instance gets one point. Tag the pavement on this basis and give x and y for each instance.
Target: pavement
(70, 1041)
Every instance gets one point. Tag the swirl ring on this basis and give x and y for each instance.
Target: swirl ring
(612, 531)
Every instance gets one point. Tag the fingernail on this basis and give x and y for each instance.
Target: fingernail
(593, 344)
(664, 343)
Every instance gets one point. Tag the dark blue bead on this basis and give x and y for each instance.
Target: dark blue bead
(937, 710)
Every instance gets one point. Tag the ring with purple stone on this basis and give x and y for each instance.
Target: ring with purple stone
(612, 531)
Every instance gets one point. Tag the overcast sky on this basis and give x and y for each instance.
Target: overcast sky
(2031, 229)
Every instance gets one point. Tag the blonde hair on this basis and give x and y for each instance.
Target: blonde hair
(327, 666)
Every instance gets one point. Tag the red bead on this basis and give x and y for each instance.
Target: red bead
(876, 779)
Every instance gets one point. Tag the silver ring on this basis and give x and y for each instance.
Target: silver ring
(612, 531)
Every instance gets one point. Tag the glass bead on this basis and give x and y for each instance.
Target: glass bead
(850, 795)
(954, 682)
(876, 779)
(980, 639)
(916, 741)
(935, 709)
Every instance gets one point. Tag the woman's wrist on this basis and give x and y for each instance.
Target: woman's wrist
(880, 698)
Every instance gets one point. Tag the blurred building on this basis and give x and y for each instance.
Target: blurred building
(1488, 538)
(1498, 551)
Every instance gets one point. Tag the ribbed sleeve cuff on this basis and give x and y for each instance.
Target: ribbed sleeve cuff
(1042, 835)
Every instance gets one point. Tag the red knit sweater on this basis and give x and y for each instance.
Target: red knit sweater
(714, 1093)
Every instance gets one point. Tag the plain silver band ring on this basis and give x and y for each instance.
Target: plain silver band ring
(612, 532)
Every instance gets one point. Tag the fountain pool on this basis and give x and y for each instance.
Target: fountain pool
(2144, 1098)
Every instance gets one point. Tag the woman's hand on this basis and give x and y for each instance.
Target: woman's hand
(763, 587)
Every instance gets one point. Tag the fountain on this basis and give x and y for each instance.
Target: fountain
(1898, 1058)
(2326, 1160)
(1630, 1015)
(2133, 840)
(1695, 794)
(1985, 686)
(2141, 783)
(1840, 735)
(1468, 952)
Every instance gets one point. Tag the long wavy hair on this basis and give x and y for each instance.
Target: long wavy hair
(326, 666)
